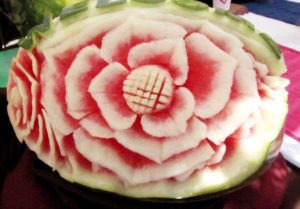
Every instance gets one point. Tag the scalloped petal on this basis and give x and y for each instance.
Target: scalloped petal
(168, 53)
(115, 47)
(171, 121)
(107, 90)
(86, 66)
(210, 76)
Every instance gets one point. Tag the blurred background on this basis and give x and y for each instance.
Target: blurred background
(18, 16)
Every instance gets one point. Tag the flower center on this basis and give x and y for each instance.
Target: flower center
(148, 89)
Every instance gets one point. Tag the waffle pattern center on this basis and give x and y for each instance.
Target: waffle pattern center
(148, 89)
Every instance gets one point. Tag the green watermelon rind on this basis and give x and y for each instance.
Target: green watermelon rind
(29, 41)
(191, 5)
(73, 9)
(107, 3)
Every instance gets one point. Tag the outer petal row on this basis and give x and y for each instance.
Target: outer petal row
(125, 163)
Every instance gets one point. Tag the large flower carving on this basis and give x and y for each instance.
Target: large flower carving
(147, 98)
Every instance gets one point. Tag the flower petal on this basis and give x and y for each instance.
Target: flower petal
(86, 66)
(96, 126)
(107, 90)
(169, 53)
(173, 120)
(210, 76)
(115, 47)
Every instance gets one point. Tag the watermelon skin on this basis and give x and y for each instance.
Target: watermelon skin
(167, 110)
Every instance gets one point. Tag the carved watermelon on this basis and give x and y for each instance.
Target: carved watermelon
(165, 99)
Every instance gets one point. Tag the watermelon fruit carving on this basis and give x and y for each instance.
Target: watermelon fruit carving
(165, 99)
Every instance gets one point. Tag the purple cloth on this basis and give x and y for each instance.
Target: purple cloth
(31, 186)
(293, 74)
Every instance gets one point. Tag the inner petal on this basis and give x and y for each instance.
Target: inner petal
(106, 90)
(169, 53)
(171, 121)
